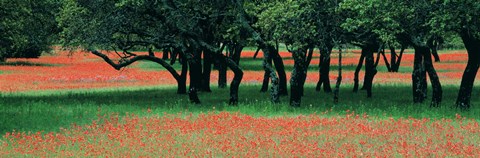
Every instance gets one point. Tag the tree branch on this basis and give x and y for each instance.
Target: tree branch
(137, 58)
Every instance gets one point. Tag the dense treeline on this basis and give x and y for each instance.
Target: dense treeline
(197, 33)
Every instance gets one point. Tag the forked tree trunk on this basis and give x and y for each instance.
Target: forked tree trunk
(472, 45)
(308, 59)
(275, 89)
(324, 70)
(396, 61)
(381, 54)
(434, 80)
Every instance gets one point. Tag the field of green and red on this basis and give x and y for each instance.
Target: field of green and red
(75, 105)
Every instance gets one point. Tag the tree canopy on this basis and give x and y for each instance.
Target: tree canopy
(27, 27)
(200, 30)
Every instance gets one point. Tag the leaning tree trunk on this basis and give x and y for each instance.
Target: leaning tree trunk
(195, 65)
(472, 45)
(433, 45)
(282, 76)
(237, 78)
(324, 70)
(207, 70)
(298, 74)
(432, 74)
(258, 39)
(419, 78)
(266, 76)
(357, 70)
(256, 53)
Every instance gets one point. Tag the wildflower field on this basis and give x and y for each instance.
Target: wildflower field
(76, 105)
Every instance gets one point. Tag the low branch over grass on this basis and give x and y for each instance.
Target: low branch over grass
(137, 58)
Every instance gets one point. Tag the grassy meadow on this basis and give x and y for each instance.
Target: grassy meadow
(77, 107)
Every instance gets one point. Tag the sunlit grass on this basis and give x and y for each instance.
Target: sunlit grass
(50, 110)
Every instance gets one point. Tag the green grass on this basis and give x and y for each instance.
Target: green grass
(51, 110)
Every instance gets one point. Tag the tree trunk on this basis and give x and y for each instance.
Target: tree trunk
(165, 54)
(433, 45)
(195, 76)
(151, 53)
(435, 54)
(357, 70)
(275, 90)
(207, 70)
(182, 81)
(298, 74)
(324, 70)
(282, 76)
(236, 52)
(419, 78)
(434, 80)
(256, 53)
(336, 93)
(393, 60)
(258, 39)
(396, 66)
(472, 45)
(389, 68)
(237, 78)
(222, 71)
(370, 70)
(266, 76)
(308, 59)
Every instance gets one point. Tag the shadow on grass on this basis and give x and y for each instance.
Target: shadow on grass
(50, 112)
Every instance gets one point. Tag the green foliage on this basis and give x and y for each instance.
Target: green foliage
(124, 24)
(27, 27)
(297, 23)
(456, 16)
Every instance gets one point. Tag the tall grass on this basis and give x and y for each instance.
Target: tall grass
(52, 110)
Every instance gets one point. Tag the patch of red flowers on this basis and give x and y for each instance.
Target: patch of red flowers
(84, 70)
(227, 134)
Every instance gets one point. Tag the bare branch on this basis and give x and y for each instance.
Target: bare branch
(137, 58)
